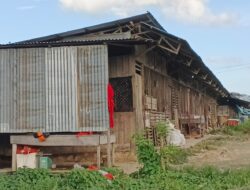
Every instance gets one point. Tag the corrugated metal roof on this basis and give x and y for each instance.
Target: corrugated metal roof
(84, 39)
(147, 17)
(75, 40)
(69, 43)
(103, 37)
(61, 89)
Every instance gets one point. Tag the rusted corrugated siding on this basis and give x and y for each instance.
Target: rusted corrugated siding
(6, 72)
(59, 89)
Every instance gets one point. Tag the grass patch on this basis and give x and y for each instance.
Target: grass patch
(211, 143)
(207, 178)
(242, 129)
(174, 155)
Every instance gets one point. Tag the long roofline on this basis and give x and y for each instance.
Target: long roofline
(146, 17)
(96, 28)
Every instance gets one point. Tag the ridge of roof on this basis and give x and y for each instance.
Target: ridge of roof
(95, 28)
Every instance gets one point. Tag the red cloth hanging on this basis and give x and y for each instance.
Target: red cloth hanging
(111, 105)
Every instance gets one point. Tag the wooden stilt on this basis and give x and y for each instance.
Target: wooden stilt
(14, 161)
(176, 118)
(98, 156)
(113, 154)
(108, 148)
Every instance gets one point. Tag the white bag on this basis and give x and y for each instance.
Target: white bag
(176, 138)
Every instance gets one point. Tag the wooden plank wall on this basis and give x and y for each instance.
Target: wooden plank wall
(171, 93)
(138, 103)
(124, 122)
(232, 113)
(121, 66)
(154, 81)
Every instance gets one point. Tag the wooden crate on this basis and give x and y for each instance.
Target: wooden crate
(150, 103)
(151, 120)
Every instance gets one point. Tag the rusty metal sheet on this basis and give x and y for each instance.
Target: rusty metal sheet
(97, 37)
(61, 89)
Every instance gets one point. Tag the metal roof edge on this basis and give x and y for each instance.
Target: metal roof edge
(94, 28)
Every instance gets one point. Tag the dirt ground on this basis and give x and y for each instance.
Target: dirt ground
(232, 154)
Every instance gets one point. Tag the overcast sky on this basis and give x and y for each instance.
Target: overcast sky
(218, 30)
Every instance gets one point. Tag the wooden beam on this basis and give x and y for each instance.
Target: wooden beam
(98, 156)
(196, 71)
(168, 49)
(179, 47)
(205, 77)
(14, 157)
(189, 62)
(61, 140)
(119, 30)
(139, 27)
(113, 154)
(145, 51)
(176, 117)
(104, 139)
(109, 148)
(159, 32)
(131, 28)
(141, 33)
(177, 50)
(160, 40)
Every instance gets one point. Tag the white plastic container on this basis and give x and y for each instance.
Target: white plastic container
(27, 160)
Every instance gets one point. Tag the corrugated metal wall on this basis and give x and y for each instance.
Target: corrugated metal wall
(59, 89)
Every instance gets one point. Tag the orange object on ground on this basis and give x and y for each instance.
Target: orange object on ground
(92, 168)
(109, 176)
(105, 174)
(233, 122)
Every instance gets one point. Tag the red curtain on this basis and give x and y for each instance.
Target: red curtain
(111, 105)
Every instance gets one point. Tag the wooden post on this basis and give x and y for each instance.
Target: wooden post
(98, 156)
(176, 118)
(14, 161)
(108, 148)
(113, 154)
(188, 101)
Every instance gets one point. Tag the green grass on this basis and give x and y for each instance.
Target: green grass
(152, 176)
(242, 129)
(207, 178)
(174, 155)
(211, 143)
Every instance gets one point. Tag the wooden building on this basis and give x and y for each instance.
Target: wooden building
(155, 76)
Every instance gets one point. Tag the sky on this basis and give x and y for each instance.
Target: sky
(218, 30)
